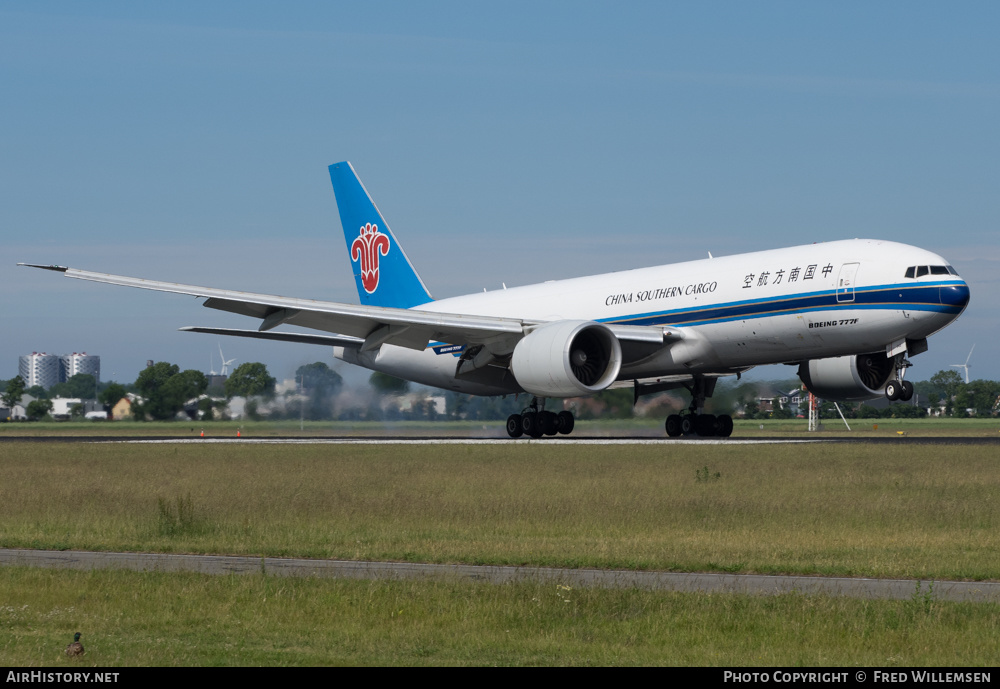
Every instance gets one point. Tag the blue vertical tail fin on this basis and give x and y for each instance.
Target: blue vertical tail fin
(383, 273)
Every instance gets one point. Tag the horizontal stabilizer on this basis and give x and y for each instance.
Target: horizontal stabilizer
(58, 269)
(325, 340)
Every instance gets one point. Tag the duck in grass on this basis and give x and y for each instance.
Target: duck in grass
(75, 649)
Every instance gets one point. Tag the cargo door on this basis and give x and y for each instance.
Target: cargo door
(846, 281)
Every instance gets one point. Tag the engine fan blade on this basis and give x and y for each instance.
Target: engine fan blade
(873, 371)
(586, 359)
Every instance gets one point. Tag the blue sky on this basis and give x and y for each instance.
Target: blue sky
(512, 142)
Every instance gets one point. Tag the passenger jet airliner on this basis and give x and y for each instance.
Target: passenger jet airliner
(848, 313)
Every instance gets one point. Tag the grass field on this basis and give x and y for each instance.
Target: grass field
(156, 619)
(899, 510)
(910, 511)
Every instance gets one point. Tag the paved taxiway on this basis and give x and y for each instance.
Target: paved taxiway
(452, 440)
(899, 589)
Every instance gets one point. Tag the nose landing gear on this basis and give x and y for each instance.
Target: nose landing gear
(897, 388)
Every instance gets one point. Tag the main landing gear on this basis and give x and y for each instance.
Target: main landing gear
(705, 425)
(897, 388)
(534, 421)
(695, 423)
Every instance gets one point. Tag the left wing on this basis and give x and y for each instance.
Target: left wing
(376, 325)
(366, 327)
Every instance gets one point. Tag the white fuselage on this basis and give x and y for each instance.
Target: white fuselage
(734, 312)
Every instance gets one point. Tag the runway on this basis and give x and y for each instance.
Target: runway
(550, 442)
(888, 589)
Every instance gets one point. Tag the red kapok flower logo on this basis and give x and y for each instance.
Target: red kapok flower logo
(366, 248)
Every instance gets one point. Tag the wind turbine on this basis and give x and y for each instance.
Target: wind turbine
(966, 364)
(225, 364)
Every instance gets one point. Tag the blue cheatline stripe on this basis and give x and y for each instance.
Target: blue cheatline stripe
(924, 297)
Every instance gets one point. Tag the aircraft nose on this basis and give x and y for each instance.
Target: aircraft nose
(955, 295)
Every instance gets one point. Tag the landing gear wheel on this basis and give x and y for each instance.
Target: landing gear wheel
(704, 425)
(530, 425)
(725, 426)
(906, 392)
(687, 424)
(673, 425)
(514, 429)
(548, 422)
(565, 422)
(893, 390)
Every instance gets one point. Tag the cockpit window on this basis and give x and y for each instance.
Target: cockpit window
(920, 271)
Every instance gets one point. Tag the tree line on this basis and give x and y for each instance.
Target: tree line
(163, 391)
(945, 392)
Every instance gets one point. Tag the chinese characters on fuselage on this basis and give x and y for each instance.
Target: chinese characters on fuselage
(762, 279)
(768, 278)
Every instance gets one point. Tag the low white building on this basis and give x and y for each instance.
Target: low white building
(18, 413)
(62, 407)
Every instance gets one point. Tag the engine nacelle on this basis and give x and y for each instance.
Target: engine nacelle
(847, 378)
(567, 359)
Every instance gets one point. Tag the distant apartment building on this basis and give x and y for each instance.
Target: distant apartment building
(72, 364)
(39, 368)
